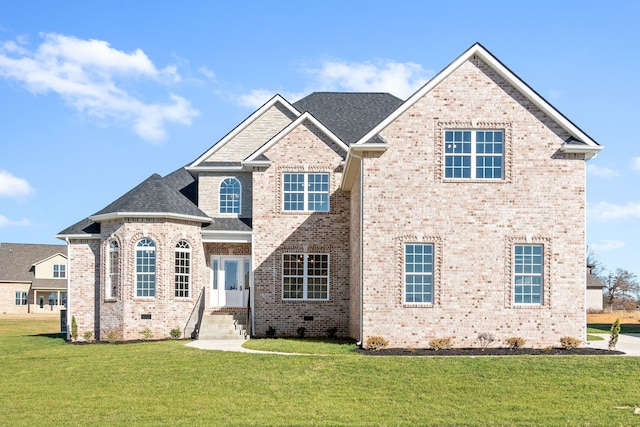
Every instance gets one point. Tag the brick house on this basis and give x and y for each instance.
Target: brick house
(33, 278)
(458, 211)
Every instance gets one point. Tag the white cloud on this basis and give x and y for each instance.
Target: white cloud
(607, 245)
(399, 79)
(600, 171)
(635, 163)
(6, 222)
(208, 73)
(12, 186)
(89, 75)
(606, 212)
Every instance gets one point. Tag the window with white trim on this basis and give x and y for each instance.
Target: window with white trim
(59, 271)
(474, 154)
(146, 268)
(527, 274)
(183, 270)
(21, 298)
(305, 276)
(418, 273)
(113, 269)
(230, 196)
(305, 192)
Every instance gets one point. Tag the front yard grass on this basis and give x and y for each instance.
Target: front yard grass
(605, 328)
(45, 381)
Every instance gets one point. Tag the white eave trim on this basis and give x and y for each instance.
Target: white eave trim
(242, 126)
(118, 215)
(505, 73)
(284, 132)
(588, 150)
(77, 236)
(239, 168)
(220, 236)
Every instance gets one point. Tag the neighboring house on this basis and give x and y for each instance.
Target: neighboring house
(458, 211)
(595, 300)
(33, 278)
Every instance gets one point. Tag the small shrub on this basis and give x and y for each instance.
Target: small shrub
(548, 349)
(271, 332)
(332, 332)
(74, 328)
(146, 334)
(485, 339)
(175, 333)
(376, 343)
(301, 331)
(615, 333)
(88, 336)
(569, 342)
(113, 336)
(441, 343)
(515, 342)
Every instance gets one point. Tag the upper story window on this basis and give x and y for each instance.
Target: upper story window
(305, 276)
(146, 268)
(527, 274)
(230, 196)
(474, 154)
(113, 270)
(418, 273)
(183, 270)
(305, 192)
(59, 271)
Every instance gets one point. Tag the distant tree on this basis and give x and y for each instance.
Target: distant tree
(621, 289)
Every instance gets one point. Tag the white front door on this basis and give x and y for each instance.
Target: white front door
(230, 281)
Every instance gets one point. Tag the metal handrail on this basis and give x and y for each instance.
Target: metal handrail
(197, 312)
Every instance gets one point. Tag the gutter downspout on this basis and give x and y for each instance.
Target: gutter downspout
(361, 332)
(66, 239)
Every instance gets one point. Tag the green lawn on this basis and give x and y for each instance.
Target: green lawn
(44, 381)
(605, 328)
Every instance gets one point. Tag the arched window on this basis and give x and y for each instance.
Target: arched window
(146, 268)
(183, 270)
(113, 270)
(230, 196)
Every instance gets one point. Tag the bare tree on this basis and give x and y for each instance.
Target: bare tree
(621, 288)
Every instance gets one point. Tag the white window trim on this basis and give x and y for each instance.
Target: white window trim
(306, 191)
(188, 275)
(541, 275)
(473, 155)
(135, 266)
(109, 294)
(305, 277)
(404, 274)
(239, 197)
(59, 271)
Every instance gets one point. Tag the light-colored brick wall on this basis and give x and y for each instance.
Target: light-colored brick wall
(355, 262)
(276, 232)
(123, 314)
(83, 291)
(474, 224)
(209, 193)
(8, 298)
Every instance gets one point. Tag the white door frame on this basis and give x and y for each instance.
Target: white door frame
(221, 297)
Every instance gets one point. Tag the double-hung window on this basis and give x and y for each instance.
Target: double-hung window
(21, 298)
(59, 271)
(113, 270)
(305, 192)
(418, 273)
(474, 154)
(527, 274)
(146, 268)
(183, 270)
(305, 276)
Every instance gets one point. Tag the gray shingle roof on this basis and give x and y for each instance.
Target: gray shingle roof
(347, 114)
(229, 224)
(17, 259)
(85, 226)
(155, 194)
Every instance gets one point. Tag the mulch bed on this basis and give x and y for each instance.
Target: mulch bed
(582, 351)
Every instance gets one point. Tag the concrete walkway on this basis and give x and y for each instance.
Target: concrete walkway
(627, 343)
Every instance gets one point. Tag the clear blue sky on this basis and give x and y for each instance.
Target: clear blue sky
(97, 96)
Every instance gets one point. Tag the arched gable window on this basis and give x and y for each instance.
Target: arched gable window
(230, 196)
(113, 270)
(146, 268)
(183, 270)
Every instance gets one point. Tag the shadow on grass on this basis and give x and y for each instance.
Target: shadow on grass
(57, 335)
(605, 328)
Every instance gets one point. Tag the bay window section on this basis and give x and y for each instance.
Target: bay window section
(146, 268)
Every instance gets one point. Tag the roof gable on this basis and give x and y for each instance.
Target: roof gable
(17, 259)
(277, 99)
(582, 140)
